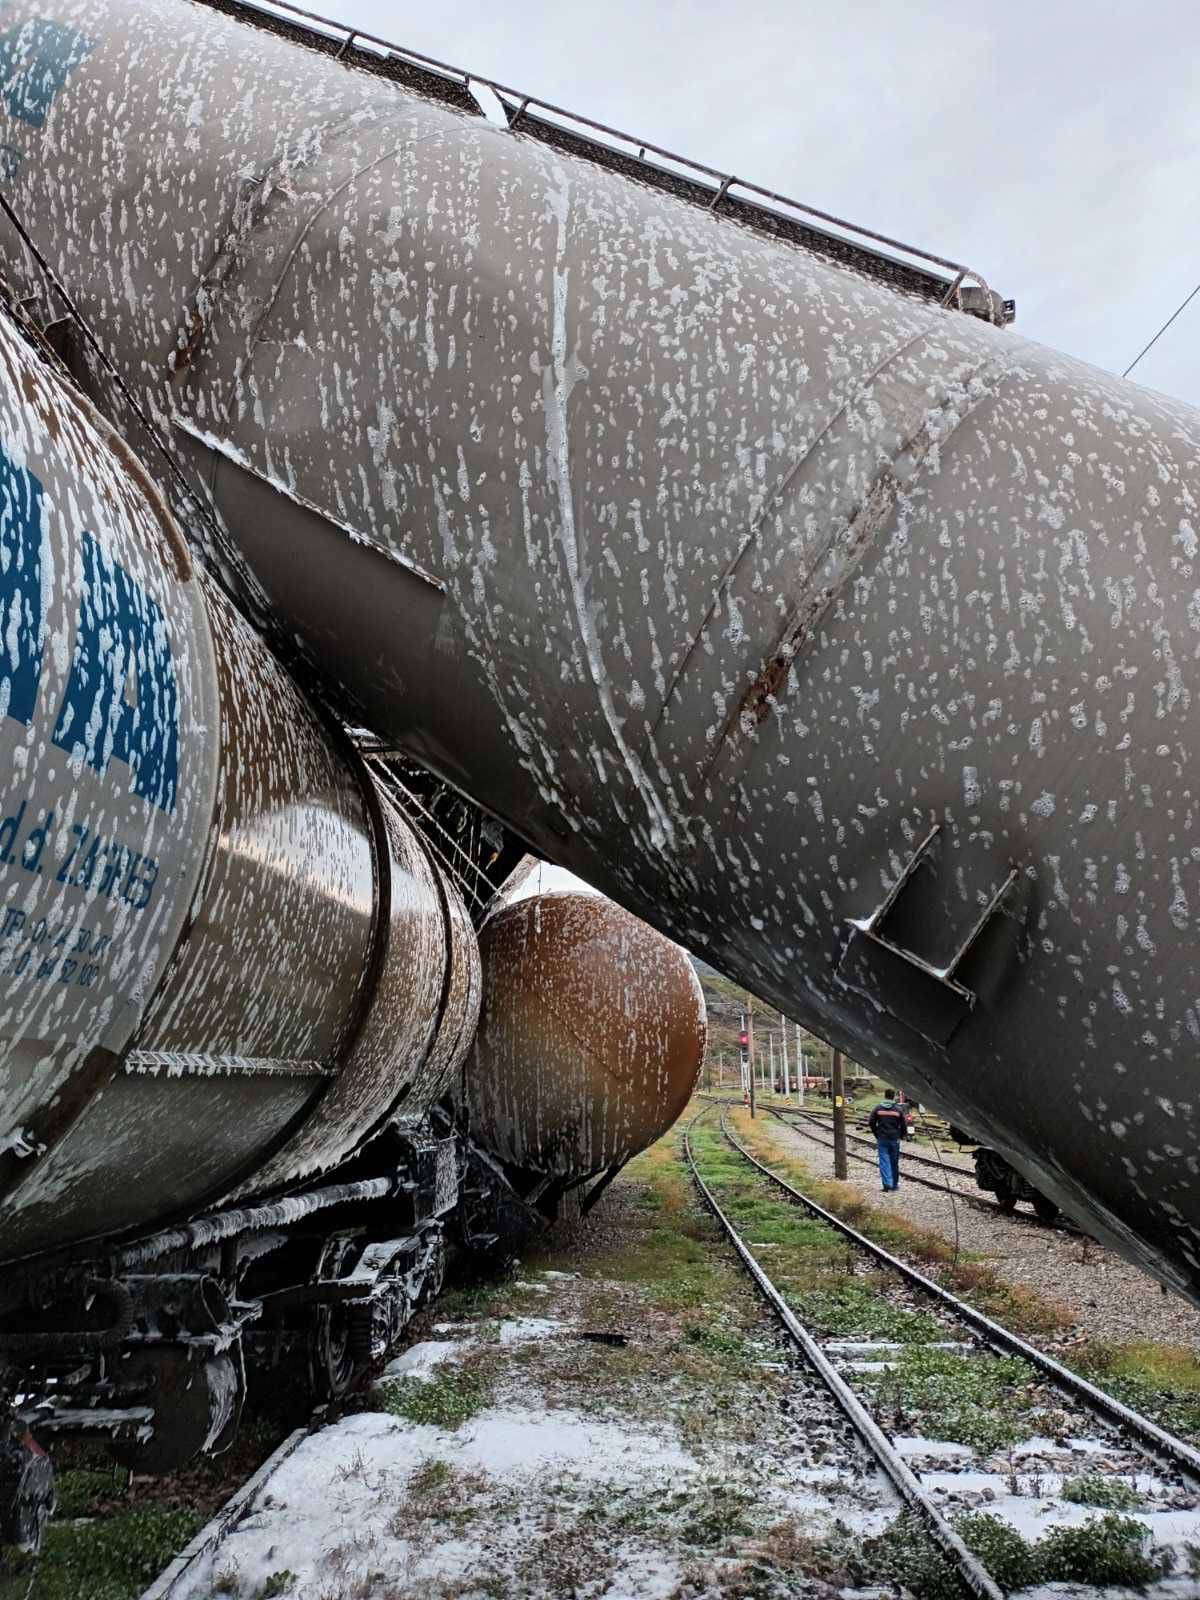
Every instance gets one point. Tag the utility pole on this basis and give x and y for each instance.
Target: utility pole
(838, 1089)
(801, 1069)
(771, 1047)
(750, 1047)
(787, 1087)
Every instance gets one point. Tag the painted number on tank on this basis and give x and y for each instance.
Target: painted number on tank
(121, 700)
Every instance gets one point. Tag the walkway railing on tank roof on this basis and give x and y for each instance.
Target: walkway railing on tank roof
(721, 193)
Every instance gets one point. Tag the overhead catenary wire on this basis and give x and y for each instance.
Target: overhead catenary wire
(950, 1190)
(1178, 312)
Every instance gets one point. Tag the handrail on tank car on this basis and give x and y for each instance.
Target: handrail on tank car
(516, 103)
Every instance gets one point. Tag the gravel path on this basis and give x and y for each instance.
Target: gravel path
(1107, 1298)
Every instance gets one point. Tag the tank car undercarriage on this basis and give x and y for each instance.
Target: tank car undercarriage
(151, 1344)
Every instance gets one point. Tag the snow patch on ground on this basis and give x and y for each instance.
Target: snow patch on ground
(335, 1511)
(420, 1361)
(523, 1330)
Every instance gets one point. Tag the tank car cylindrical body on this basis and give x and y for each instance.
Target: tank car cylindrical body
(847, 638)
(225, 959)
(228, 968)
(591, 1036)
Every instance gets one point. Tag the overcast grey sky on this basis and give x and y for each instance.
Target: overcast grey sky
(1054, 146)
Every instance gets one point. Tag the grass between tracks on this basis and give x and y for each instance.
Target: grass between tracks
(986, 1402)
(1161, 1381)
(1012, 1304)
(979, 1400)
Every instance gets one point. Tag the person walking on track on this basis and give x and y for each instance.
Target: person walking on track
(889, 1125)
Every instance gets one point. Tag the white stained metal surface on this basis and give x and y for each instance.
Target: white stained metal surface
(850, 640)
(590, 1039)
(108, 751)
(188, 866)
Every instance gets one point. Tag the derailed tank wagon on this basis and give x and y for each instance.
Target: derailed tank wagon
(590, 1041)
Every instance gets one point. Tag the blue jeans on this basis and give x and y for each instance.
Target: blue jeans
(889, 1162)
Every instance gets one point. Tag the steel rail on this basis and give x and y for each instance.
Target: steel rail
(1163, 1446)
(858, 1138)
(816, 1120)
(972, 1574)
(781, 1114)
(966, 1196)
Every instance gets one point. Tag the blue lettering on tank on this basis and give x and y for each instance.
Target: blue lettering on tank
(22, 623)
(36, 59)
(121, 644)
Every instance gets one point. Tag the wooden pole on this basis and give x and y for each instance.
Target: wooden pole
(750, 1050)
(838, 1088)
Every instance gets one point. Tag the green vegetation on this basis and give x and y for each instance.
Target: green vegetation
(726, 1347)
(469, 1300)
(980, 1400)
(1163, 1381)
(79, 1487)
(1011, 1560)
(276, 1584)
(852, 1309)
(443, 1496)
(1017, 1307)
(1108, 1549)
(906, 1555)
(114, 1559)
(708, 1512)
(430, 1479)
(1105, 1550)
(1108, 1494)
(671, 1258)
(447, 1399)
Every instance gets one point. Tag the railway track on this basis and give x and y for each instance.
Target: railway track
(910, 1155)
(794, 1117)
(1116, 1441)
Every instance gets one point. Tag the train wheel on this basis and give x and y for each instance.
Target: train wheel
(435, 1274)
(1045, 1209)
(1007, 1201)
(332, 1347)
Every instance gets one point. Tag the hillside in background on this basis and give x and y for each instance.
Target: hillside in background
(726, 1002)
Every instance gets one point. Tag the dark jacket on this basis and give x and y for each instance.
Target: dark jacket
(888, 1121)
